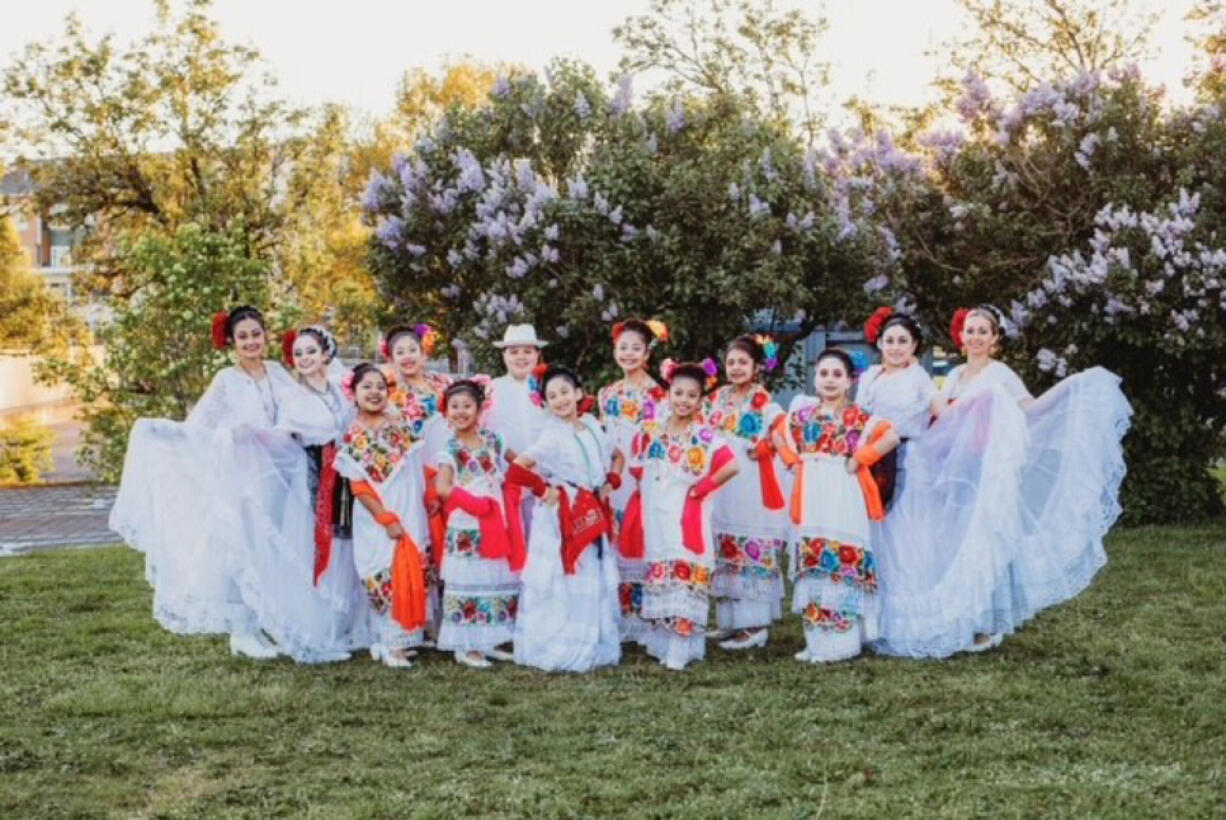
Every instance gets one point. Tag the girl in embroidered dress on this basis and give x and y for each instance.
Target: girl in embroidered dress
(568, 607)
(480, 591)
(679, 462)
(749, 520)
(1037, 487)
(382, 457)
(235, 459)
(830, 443)
(417, 391)
(623, 405)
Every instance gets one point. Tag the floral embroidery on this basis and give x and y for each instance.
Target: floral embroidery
(678, 573)
(841, 563)
(838, 434)
(691, 452)
(748, 554)
(630, 404)
(419, 404)
(831, 620)
(630, 598)
(480, 610)
(463, 542)
(684, 627)
(379, 450)
(742, 417)
(379, 590)
(471, 465)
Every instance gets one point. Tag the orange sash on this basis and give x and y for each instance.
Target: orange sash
(408, 572)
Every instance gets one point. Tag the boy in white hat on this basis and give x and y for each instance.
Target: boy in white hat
(516, 409)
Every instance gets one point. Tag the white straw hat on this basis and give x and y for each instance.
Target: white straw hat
(520, 335)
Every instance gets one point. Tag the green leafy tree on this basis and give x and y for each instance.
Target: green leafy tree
(733, 47)
(32, 318)
(560, 204)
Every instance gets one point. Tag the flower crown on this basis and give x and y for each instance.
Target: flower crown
(426, 335)
(221, 339)
(669, 367)
(872, 328)
(287, 346)
(771, 350)
(658, 329)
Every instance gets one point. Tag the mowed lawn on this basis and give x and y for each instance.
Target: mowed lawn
(1112, 705)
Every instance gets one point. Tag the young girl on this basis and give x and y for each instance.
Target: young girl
(830, 444)
(1037, 487)
(480, 591)
(623, 406)
(418, 391)
(568, 607)
(220, 460)
(382, 458)
(682, 462)
(749, 520)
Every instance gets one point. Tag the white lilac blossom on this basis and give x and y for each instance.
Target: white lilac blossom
(878, 282)
(734, 192)
(518, 268)
(621, 101)
(757, 207)
(451, 292)
(551, 232)
(777, 247)
(455, 258)
(976, 97)
(653, 144)
(615, 215)
(390, 232)
(502, 86)
(767, 165)
(416, 250)
(598, 292)
(1085, 150)
(550, 255)
(600, 204)
(378, 188)
(471, 178)
(675, 116)
(562, 331)
(582, 107)
(576, 187)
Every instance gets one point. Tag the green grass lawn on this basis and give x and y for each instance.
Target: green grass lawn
(1114, 704)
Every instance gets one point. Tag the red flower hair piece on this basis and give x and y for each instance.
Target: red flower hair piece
(347, 386)
(384, 350)
(220, 338)
(872, 328)
(287, 346)
(667, 368)
(956, 325)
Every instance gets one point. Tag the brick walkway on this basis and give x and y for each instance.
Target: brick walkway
(39, 518)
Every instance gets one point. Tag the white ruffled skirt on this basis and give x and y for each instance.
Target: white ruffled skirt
(1003, 514)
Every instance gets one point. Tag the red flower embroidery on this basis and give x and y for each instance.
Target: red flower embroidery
(684, 627)
(848, 554)
(759, 400)
(681, 570)
(470, 610)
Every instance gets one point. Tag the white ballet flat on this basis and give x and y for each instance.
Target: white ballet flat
(476, 663)
(248, 645)
(388, 658)
(803, 656)
(673, 664)
(757, 639)
(499, 655)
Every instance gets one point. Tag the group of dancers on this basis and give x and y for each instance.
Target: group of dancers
(319, 510)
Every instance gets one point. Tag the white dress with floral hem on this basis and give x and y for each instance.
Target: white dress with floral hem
(750, 539)
(480, 595)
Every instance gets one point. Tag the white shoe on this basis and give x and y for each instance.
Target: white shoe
(994, 640)
(390, 658)
(803, 656)
(477, 662)
(248, 645)
(756, 639)
(499, 655)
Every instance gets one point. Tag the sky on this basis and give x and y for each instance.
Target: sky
(354, 52)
